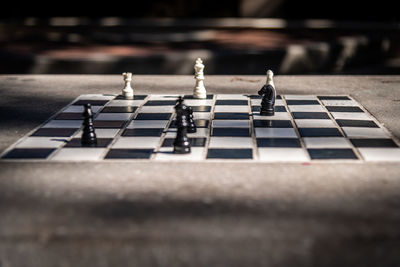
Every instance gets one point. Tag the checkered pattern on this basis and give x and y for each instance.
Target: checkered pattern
(229, 127)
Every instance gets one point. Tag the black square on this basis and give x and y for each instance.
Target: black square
(232, 102)
(191, 97)
(194, 142)
(125, 109)
(335, 153)
(259, 97)
(69, 116)
(343, 109)
(143, 132)
(373, 142)
(231, 116)
(219, 153)
(334, 98)
(160, 103)
(129, 154)
(91, 102)
(231, 132)
(278, 142)
(109, 124)
(310, 115)
(153, 116)
(302, 102)
(101, 142)
(319, 132)
(357, 123)
(199, 123)
(135, 97)
(272, 123)
(29, 153)
(276, 108)
(201, 108)
(55, 132)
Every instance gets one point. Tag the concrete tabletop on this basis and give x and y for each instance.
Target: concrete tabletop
(195, 214)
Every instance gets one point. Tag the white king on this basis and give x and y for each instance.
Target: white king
(199, 90)
(127, 92)
(270, 79)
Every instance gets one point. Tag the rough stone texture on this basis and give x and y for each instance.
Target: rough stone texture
(195, 214)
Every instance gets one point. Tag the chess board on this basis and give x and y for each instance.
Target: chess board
(305, 128)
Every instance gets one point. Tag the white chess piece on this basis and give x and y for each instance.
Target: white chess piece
(199, 90)
(270, 76)
(127, 92)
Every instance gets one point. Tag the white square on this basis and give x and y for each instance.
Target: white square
(167, 154)
(231, 97)
(160, 124)
(198, 102)
(137, 142)
(231, 123)
(300, 97)
(79, 109)
(282, 155)
(97, 97)
(230, 142)
(113, 117)
(79, 154)
(125, 103)
(157, 109)
(306, 108)
(380, 154)
(257, 102)
(101, 133)
(42, 142)
(326, 142)
(201, 115)
(311, 123)
(277, 116)
(340, 103)
(163, 97)
(63, 124)
(276, 132)
(350, 116)
(200, 132)
(226, 108)
(365, 132)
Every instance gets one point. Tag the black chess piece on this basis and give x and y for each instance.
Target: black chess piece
(88, 135)
(181, 142)
(268, 94)
(191, 128)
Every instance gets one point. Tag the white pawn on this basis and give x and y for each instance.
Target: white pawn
(127, 92)
(199, 90)
(270, 80)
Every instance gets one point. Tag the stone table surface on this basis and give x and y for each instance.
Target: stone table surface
(195, 214)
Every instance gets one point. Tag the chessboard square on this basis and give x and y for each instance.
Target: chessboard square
(28, 153)
(313, 123)
(102, 133)
(230, 142)
(350, 116)
(277, 116)
(257, 102)
(232, 102)
(41, 142)
(101, 142)
(373, 142)
(136, 142)
(69, 116)
(125, 109)
(326, 142)
(160, 103)
(357, 123)
(340, 103)
(275, 132)
(200, 132)
(201, 108)
(201, 115)
(194, 142)
(319, 132)
(227, 108)
(108, 124)
(231, 123)
(125, 103)
(335, 98)
(244, 132)
(55, 132)
(306, 108)
(167, 154)
(79, 109)
(364, 132)
(300, 97)
(63, 124)
(156, 109)
(302, 102)
(143, 132)
(189, 97)
(148, 124)
(129, 154)
(231, 97)
(97, 97)
(113, 117)
(380, 154)
(310, 115)
(331, 153)
(231, 116)
(199, 124)
(278, 142)
(153, 116)
(343, 109)
(273, 123)
(257, 109)
(164, 97)
(82, 102)
(198, 102)
(135, 97)
(79, 154)
(284, 154)
(213, 153)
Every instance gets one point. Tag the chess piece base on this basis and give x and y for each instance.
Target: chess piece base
(267, 112)
(181, 150)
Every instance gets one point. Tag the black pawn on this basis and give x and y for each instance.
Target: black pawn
(181, 142)
(191, 128)
(88, 136)
(268, 101)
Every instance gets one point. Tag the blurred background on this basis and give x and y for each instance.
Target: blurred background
(232, 37)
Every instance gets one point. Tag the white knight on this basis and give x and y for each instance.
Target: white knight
(127, 92)
(199, 90)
